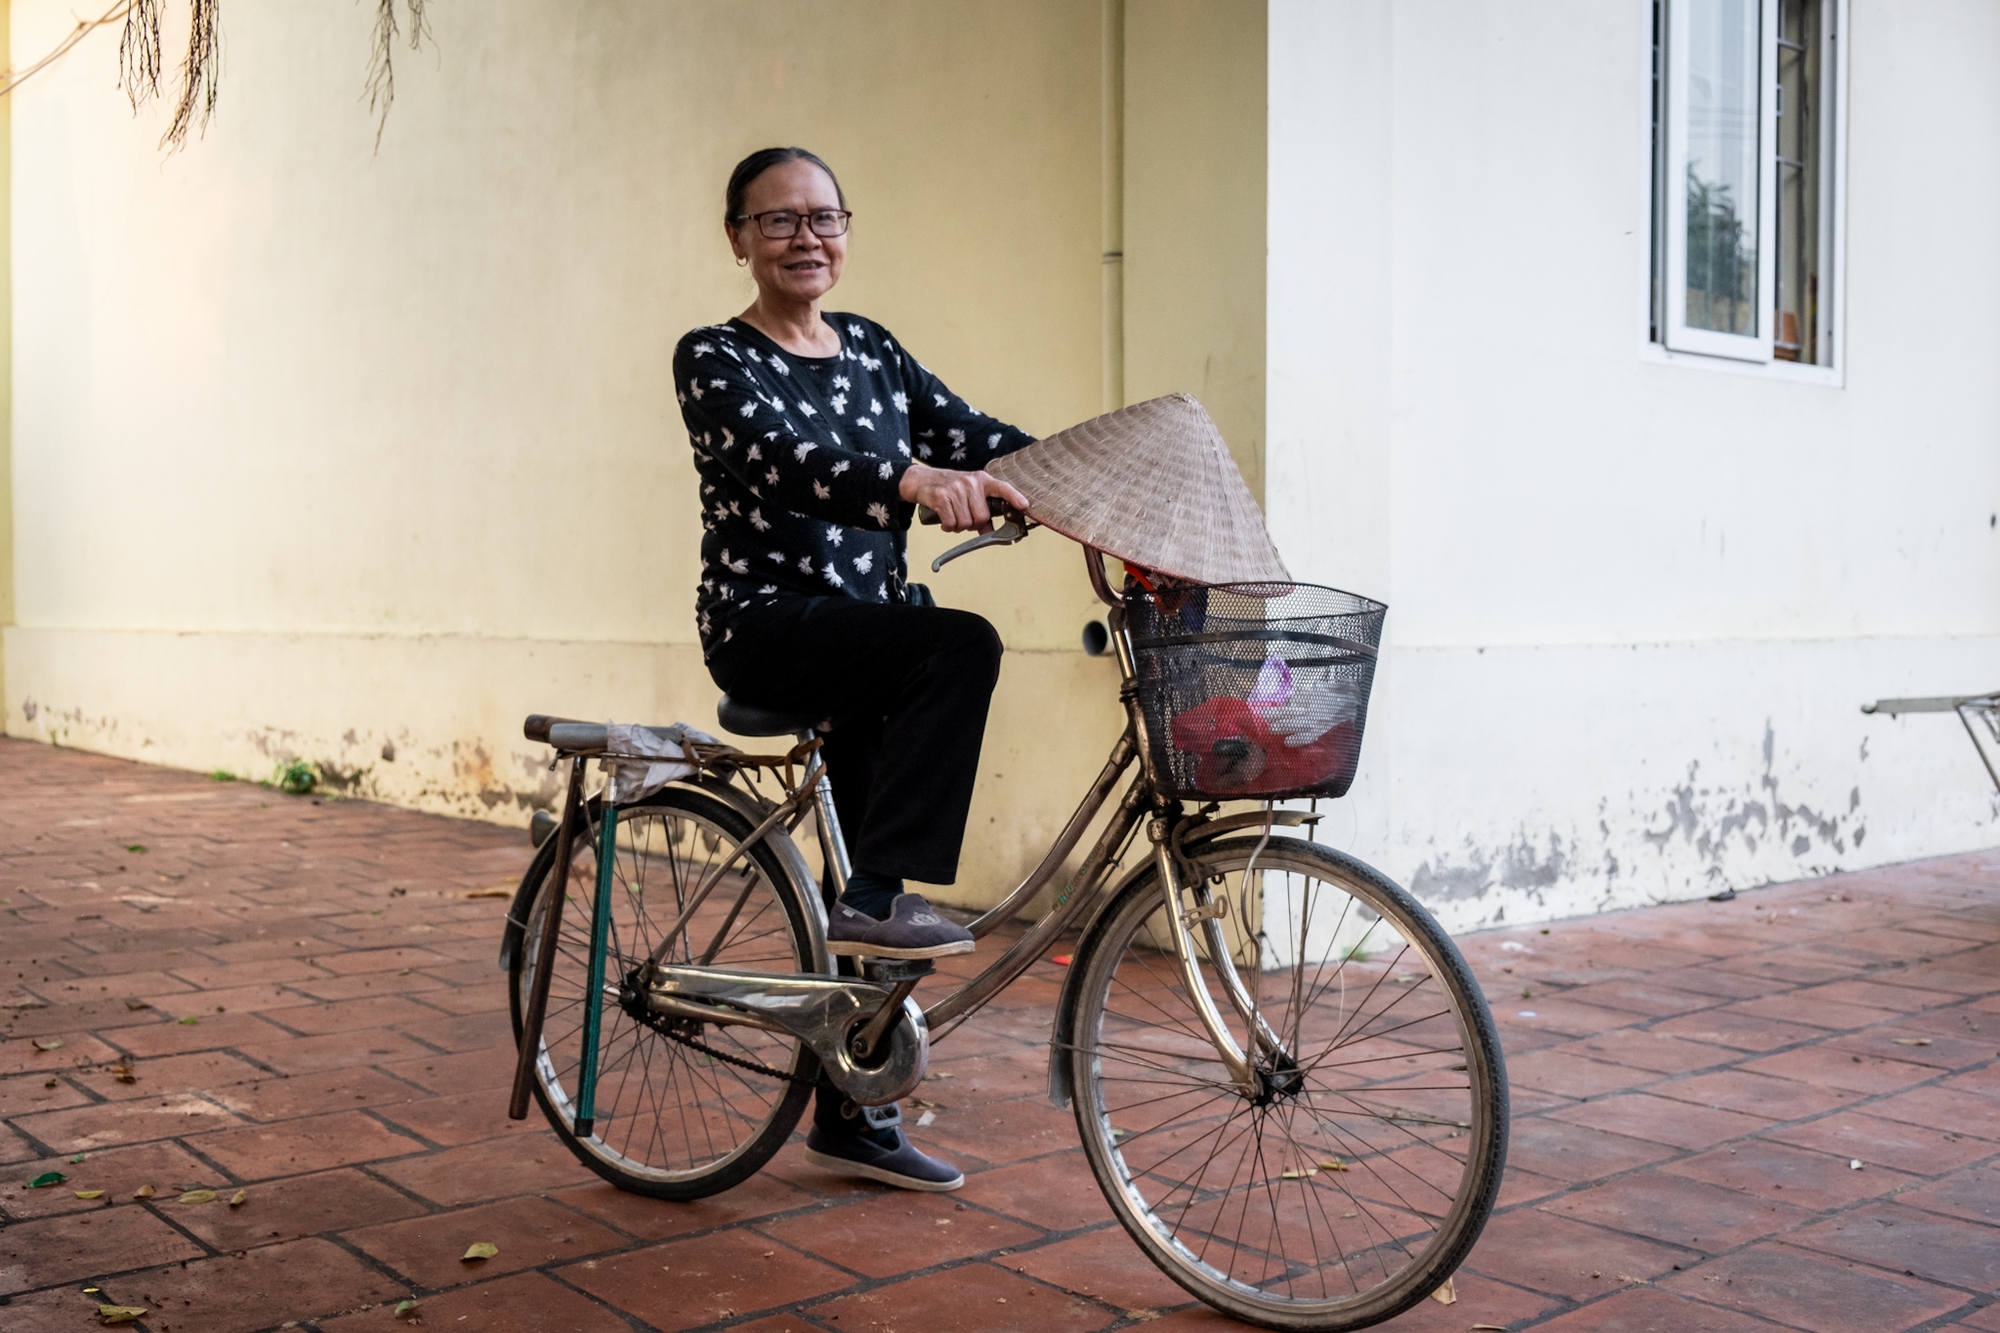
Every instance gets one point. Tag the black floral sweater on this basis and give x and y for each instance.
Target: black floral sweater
(800, 458)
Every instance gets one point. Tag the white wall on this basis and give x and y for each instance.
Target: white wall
(1635, 606)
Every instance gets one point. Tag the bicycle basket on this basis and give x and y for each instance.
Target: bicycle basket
(1254, 690)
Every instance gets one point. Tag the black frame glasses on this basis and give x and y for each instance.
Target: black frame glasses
(824, 222)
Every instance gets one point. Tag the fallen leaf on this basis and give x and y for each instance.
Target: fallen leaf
(145, 1192)
(48, 1043)
(482, 1250)
(77, 1158)
(1298, 1174)
(198, 1196)
(1334, 1164)
(120, 1314)
(926, 1118)
(403, 1308)
(488, 893)
(238, 1199)
(1900, 1041)
(190, 1021)
(1489, 1328)
(1854, 1164)
(90, 1194)
(50, 1084)
(1447, 1294)
(46, 1179)
(137, 1004)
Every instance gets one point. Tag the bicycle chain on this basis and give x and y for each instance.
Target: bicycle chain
(660, 1025)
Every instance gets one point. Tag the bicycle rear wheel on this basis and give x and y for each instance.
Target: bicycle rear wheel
(1354, 1178)
(683, 1108)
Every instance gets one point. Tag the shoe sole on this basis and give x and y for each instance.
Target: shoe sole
(857, 949)
(840, 1166)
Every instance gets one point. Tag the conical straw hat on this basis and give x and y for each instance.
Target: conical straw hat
(1152, 484)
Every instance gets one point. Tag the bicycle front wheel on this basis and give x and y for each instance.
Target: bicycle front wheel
(682, 1108)
(1350, 1181)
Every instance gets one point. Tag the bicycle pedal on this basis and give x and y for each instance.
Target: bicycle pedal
(895, 971)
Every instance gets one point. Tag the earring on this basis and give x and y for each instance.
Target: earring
(742, 260)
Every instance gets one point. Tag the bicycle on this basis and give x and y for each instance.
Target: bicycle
(1286, 1081)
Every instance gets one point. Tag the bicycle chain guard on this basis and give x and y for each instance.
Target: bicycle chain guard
(822, 1012)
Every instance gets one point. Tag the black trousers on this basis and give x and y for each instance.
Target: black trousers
(907, 689)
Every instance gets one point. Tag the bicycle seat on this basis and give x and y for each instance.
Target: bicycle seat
(746, 720)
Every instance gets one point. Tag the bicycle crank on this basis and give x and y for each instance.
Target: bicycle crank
(831, 1016)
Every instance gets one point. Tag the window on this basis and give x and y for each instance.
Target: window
(1744, 158)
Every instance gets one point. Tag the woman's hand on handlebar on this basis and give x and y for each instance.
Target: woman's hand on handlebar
(959, 498)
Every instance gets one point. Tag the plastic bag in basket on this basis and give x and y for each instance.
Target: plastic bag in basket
(1301, 706)
(1238, 752)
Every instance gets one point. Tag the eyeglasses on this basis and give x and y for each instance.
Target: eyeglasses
(782, 224)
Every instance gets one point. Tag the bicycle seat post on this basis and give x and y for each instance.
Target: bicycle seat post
(832, 841)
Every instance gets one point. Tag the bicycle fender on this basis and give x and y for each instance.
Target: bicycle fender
(1060, 1090)
(781, 845)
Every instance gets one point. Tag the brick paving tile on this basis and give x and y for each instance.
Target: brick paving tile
(1986, 1320)
(1973, 1194)
(119, 1173)
(976, 1298)
(1963, 1112)
(688, 1283)
(892, 1234)
(463, 1072)
(1576, 1153)
(257, 1289)
(48, 1250)
(1644, 1116)
(475, 1172)
(464, 1118)
(204, 1069)
(108, 1124)
(1836, 1068)
(521, 1303)
(1105, 1266)
(763, 1195)
(336, 1050)
(294, 1147)
(1873, 1141)
(1758, 1094)
(1652, 1050)
(1481, 1300)
(1811, 1009)
(1566, 1258)
(214, 1033)
(1554, 1069)
(274, 1098)
(1680, 1211)
(295, 1207)
(1904, 1240)
(1649, 1310)
(1909, 1041)
(1777, 1171)
(1810, 1292)
(1736, 1028)
(528, 1233)
(24, 1094)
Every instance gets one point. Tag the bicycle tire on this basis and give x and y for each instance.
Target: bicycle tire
(652, 1088)
(1327, 1132)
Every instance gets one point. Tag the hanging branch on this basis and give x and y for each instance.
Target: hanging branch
(139, 52)
(201, 74)
(382, 63)
(10, 80)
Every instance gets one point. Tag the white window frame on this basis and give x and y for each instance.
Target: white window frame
(1669, 339)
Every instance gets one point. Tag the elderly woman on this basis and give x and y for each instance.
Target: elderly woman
(815, 436)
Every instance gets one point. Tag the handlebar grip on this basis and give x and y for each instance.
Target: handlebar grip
(995, 506)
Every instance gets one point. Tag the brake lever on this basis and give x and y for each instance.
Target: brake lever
(1009, 528)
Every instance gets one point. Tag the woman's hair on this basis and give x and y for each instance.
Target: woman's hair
(761, 161)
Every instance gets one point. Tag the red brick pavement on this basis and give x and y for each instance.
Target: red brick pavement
(308, 1010)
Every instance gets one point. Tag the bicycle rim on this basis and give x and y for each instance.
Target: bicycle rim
(1357, 1175)
(671, 1119)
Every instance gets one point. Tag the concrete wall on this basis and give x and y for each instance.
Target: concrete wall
(1635, 605)
(359, 456)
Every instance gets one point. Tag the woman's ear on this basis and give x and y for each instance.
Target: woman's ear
(735, 243)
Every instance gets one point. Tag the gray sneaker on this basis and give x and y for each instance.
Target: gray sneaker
(913, 930)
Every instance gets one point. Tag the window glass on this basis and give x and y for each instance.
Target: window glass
(1723, 83)
(1801, 99)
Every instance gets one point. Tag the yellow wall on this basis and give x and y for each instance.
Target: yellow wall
(344, 454)
(1194, 211)
(6, 353)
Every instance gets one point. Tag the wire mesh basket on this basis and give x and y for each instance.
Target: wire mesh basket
(1254, 690)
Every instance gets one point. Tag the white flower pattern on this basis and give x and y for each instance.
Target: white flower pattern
(802, 493)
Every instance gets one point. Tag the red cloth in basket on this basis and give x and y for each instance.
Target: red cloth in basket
(1238, 753)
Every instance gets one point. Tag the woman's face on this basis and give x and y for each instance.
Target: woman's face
(799, 268)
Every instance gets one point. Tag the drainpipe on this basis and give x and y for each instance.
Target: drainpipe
(1112, 112)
